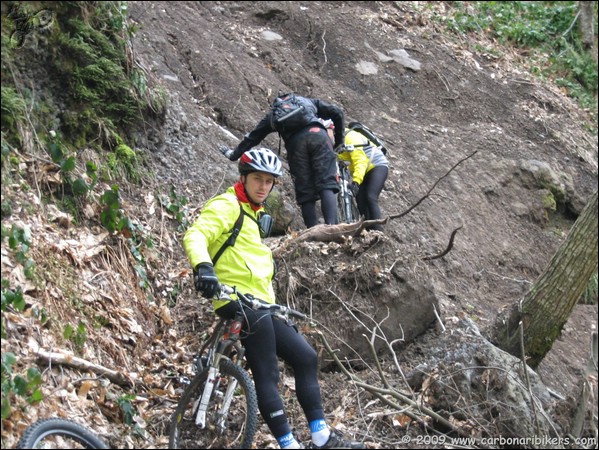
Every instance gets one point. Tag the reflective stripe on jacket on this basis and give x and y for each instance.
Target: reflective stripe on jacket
(248, 264)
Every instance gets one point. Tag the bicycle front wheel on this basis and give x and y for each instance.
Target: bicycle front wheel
(347, 211)
(59, 433)
(235, 429)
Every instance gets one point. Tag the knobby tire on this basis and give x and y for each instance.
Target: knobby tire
(346, 213)
(43, 431)
(242, 418)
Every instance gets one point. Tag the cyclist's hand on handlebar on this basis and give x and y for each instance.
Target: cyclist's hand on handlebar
(205, 280)
(340, 148)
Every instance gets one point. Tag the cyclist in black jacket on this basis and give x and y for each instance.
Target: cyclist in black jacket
(311, 156)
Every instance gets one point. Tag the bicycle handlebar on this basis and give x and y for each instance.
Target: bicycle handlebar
(257, 304)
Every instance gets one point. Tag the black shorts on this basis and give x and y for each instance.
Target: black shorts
(312, 163)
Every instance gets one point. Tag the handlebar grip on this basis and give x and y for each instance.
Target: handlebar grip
(297, 314)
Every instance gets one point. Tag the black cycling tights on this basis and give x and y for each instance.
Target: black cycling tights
(368, 195)
(265, 338)
(328, 204)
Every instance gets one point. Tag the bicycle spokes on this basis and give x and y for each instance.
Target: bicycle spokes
(230, 417)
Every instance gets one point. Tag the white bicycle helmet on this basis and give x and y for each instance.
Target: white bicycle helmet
(260, 160)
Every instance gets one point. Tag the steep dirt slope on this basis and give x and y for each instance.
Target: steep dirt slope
(221, 70)
(220, 64)
(223, 62)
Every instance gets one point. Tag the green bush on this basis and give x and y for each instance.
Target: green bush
(550, 28)
(27, 387)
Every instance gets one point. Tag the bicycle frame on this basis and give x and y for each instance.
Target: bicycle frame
(219, 407)
(223, 341)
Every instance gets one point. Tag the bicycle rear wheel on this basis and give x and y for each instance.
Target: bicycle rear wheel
(241, 421)
(59, 433)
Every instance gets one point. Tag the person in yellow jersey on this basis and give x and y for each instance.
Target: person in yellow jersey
(369, 168)
(248, 264)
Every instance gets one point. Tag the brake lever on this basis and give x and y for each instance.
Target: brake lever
(225, 292)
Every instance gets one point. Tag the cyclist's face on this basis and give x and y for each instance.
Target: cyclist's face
(258, 185)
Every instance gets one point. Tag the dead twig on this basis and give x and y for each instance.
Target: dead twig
(439, 318)
(527, 378)
(443, 80)
(324, 49)
(397, 216)
(384, 394)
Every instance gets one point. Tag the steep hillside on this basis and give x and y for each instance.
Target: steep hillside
(534, 165)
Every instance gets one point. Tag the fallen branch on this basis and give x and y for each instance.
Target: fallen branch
(447, 250)
(330, 233)
(340, 232)
(75, 362)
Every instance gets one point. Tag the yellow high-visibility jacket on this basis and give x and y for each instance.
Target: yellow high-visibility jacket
(248, 264)
(359, 163)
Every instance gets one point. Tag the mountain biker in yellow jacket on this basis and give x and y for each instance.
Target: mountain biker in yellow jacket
(248, 265)
(359, 163)
(210, 231)
(369, 168)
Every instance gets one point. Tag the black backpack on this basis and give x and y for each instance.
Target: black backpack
(366, 132)
(290, 114)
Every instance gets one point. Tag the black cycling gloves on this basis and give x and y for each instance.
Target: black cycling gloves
(205, 280)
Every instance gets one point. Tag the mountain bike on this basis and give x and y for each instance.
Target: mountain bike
(59, 433)
(219, 408)
(347, 208)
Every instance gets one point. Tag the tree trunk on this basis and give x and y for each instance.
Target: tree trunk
(587, 27)
(546, 307)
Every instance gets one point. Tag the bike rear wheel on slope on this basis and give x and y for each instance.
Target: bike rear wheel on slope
(59, 433)
(241, 421)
